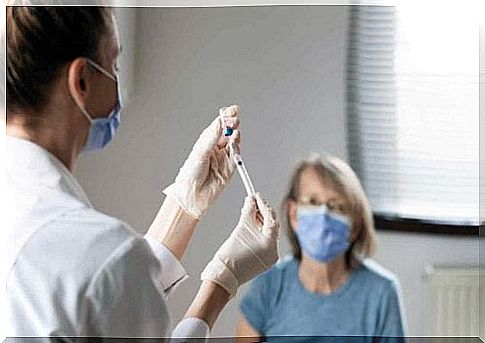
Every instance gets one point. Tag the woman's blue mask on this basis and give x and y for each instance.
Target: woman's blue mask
(323, 235)
(102, 130)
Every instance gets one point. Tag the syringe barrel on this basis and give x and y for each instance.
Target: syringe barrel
(241, 168)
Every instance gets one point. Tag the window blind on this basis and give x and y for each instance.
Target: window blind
(412, 105)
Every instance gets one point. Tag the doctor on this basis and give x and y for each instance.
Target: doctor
(72, 270)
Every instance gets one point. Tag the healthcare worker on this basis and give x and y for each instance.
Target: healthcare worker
(72, 270)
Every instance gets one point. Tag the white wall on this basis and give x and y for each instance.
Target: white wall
(482, 177)
(285, 67)
(408, 254)
(126, 20)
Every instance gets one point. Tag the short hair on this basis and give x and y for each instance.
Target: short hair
(42, 39)
(346, 182)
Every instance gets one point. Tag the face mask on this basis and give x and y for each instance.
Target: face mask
(102, 130)
(323, 235)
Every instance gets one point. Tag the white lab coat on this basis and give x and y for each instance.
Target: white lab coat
(74, 271)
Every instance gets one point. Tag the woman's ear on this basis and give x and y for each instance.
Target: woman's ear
(291, 207)
(77, 81)
(354, 230)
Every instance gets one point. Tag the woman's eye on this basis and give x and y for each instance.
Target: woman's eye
(344, 209)
(340, 209)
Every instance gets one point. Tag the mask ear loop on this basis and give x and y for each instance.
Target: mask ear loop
(109, 75)
(83, 110)
(102, 70)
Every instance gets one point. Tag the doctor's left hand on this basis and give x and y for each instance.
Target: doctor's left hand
(208, 168)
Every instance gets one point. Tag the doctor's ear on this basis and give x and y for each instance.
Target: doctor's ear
(77, 80)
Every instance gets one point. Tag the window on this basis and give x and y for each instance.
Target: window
(413, 109)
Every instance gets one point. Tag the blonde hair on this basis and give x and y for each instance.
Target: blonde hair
(346, 182)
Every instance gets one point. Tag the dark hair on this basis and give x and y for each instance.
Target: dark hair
(40, 40)
(343, 178)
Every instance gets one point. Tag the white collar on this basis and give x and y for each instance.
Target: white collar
(34, 162)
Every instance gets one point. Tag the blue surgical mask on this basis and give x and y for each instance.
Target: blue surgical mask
(323, 235)
(102, 130)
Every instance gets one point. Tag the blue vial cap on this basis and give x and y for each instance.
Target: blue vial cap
(228, 131)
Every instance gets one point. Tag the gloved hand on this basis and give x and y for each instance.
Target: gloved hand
(250, 249)
(208, 168)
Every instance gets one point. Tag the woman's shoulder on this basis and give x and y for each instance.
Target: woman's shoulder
(269, 287)
(274, 277)
(375, 275)
(285, 262)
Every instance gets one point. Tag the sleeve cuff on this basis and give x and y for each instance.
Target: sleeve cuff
(191, 327)
(216, 271)
(172, 270)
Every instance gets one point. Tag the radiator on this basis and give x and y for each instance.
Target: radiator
(453, 301)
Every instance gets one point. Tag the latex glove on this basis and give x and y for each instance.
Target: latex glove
(208, 168)
(251, 248)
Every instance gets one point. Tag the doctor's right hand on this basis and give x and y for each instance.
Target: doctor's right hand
(208, 168)
(251, 248)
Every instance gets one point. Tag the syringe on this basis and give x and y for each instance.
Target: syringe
(241, 168)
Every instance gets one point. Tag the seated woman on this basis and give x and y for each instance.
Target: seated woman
(329, 287)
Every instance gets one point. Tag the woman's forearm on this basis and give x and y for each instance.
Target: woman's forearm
(208, 303)
(173, 227)
(245, 333)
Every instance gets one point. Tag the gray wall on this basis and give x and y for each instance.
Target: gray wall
(285, 67)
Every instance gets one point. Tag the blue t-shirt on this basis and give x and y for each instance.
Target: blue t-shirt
(367, 306)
